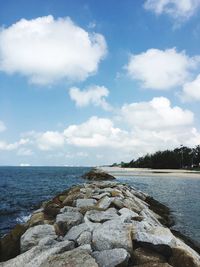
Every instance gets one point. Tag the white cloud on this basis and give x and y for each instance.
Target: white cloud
(161, 69)
(12, 146)
(94, 95)
(191, 90)
(95, 132)
(50, 140)
(156, 114)
(2, 126)
(25, 152)
(178, 9)
(47, 50)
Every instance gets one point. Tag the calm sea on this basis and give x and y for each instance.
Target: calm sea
(22, 189)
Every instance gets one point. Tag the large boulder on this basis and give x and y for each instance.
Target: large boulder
(112, 258)
(10, 244)
(146, 255)
(102, 216)
(34, 234)
(76, 231)
(68, 217)
(39, 254)
(113, 234)
(97, 174)
(74, 258)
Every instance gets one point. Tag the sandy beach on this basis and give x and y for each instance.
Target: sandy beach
(117, 171)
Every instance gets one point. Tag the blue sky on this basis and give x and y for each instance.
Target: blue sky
(97, 82)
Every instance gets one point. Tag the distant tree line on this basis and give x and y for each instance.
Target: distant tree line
(179, 158)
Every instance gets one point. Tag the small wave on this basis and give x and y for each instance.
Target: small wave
(23, 218)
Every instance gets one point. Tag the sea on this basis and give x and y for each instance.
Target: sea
(23, 189)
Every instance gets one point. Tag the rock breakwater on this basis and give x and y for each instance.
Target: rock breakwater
(103, 224)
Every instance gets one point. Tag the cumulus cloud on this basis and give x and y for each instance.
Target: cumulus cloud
(191, 90)
(50, 140)
(46, 50)
(2, 126)
(178, 9)
(13, 146)
(161, 69)
(156, 114)
(95, 132)
(94, 95)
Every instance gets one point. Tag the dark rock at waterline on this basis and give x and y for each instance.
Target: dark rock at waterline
(97, 175)
(10, 244)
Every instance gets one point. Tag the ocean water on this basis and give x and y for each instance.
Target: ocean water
(181, 195)
(22, 189)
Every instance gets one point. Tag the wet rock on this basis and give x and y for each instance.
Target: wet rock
(34, 234)
(154, 264)
(113, 234)
(51, 209)
(184, 257)
(36, 219)
(76, 258)
(102, 216)
(68, 218)
(96, 174)
(112, 258)
(10, 244)
(145, 255)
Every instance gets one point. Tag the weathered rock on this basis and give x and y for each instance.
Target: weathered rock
(84, 238)
(184, 257)
(76, 231)
(104, 203)
(154, 264)
(99, 196)
(145, 255)
(113, 234)
(125, 211)
(34, 234)
(74, 258)
(38, 254)
(10, 244)
(68, 218)
(51, 209)
(96, 174)
(160, 238)
(102, 216)
(85, 203)
(112, 258)
(36, 219)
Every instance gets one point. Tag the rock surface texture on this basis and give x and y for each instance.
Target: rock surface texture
(99, 224)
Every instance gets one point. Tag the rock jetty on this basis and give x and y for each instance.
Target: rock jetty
(98, 224)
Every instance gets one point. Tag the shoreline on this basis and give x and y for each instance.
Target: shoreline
(118, 171)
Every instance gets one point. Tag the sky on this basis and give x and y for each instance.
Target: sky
(88, 82)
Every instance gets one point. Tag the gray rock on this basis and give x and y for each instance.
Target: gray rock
(113, 234)
(85, 203)
(101, 195)
(102, 216)
(104, 203)
(38, 254)
(154, 264)
(34, 234)
(76, 258)
(112, 258)
(84, 238)
(76, 231)
(68, 219)
(128, 212)
(132, 205)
